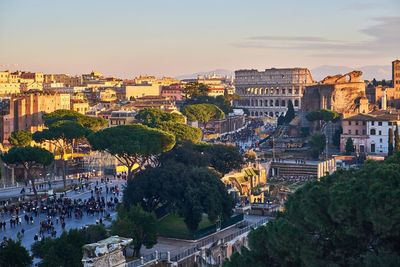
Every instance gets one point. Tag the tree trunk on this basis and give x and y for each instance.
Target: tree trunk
(33, 187)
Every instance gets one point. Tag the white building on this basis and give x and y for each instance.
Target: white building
(370, 132)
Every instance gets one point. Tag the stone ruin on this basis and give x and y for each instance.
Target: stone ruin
(106, 253)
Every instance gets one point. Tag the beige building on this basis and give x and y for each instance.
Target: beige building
(121, 117)
(267, 93)
(25, 111)
(80, 106)
(141, 90)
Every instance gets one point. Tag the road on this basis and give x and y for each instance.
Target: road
(71, 223)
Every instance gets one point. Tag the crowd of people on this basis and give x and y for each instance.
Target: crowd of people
(55, 211)
(245, 138)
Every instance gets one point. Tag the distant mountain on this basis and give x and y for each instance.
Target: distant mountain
(378, 72)
(221, 72)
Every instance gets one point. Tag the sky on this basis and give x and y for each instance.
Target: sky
(175, 37)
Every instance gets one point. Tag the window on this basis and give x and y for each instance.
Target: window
(364, 123)
(380, 132)
(372, 148)
(380, 140)
(349, 131)
(363, 132)
(379, 123)
(356, 132)
(389, 123)
(372, 123)
(356, 122)
(372, 132)
(349, 122)
(296, 103)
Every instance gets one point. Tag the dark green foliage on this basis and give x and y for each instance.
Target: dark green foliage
(62, 134)
(396, 139)
(317, 143)
(13, 254)
(67, 249)
(153, 117)
(281, 120)
(323, 115)
(289, 116)
(92, 123)
(336, 137)
(390, 142)
(132, 144)
(203, 113)
(137, 224)
(182, 132)
(223, 158)
(350, 218)
(349, 147)
(20, 138)
(31, 159)
(190, 191)
(223, 102)
(305, 131)
(195, 89)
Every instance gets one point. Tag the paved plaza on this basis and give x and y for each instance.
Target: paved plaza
(70, 223)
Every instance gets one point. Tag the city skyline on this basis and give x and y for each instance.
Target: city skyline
(128, 38)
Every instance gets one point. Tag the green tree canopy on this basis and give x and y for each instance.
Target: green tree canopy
(390, 142)
(132, 144)
(92, 123)
(137, 224)
(289, 116)
(223, 102)
(349, 146)
(13, 254)
(20, 138)
(182, 132)
(349, 218)
(32, 159)
(153, 117)
(223, 158)
(67, 249)
(396, 139)
(203, 113)
(323, 115)
(190, 191)
(317, 143)
(62, 134)
(195, 89)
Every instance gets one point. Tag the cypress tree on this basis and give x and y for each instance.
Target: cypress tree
(390, 142)
(349, 148)
(396, 139)
(289, 116)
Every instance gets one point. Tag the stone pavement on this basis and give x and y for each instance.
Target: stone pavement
(71, 223)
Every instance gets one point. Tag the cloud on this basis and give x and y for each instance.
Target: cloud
(381, 39)
(291, 38)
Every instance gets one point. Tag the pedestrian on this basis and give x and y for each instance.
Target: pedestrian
(35, 238)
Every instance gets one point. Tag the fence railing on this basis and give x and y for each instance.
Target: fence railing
(190, 251)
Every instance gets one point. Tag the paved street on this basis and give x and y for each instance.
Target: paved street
(32, 229)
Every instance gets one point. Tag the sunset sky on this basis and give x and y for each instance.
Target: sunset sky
(173, 37)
